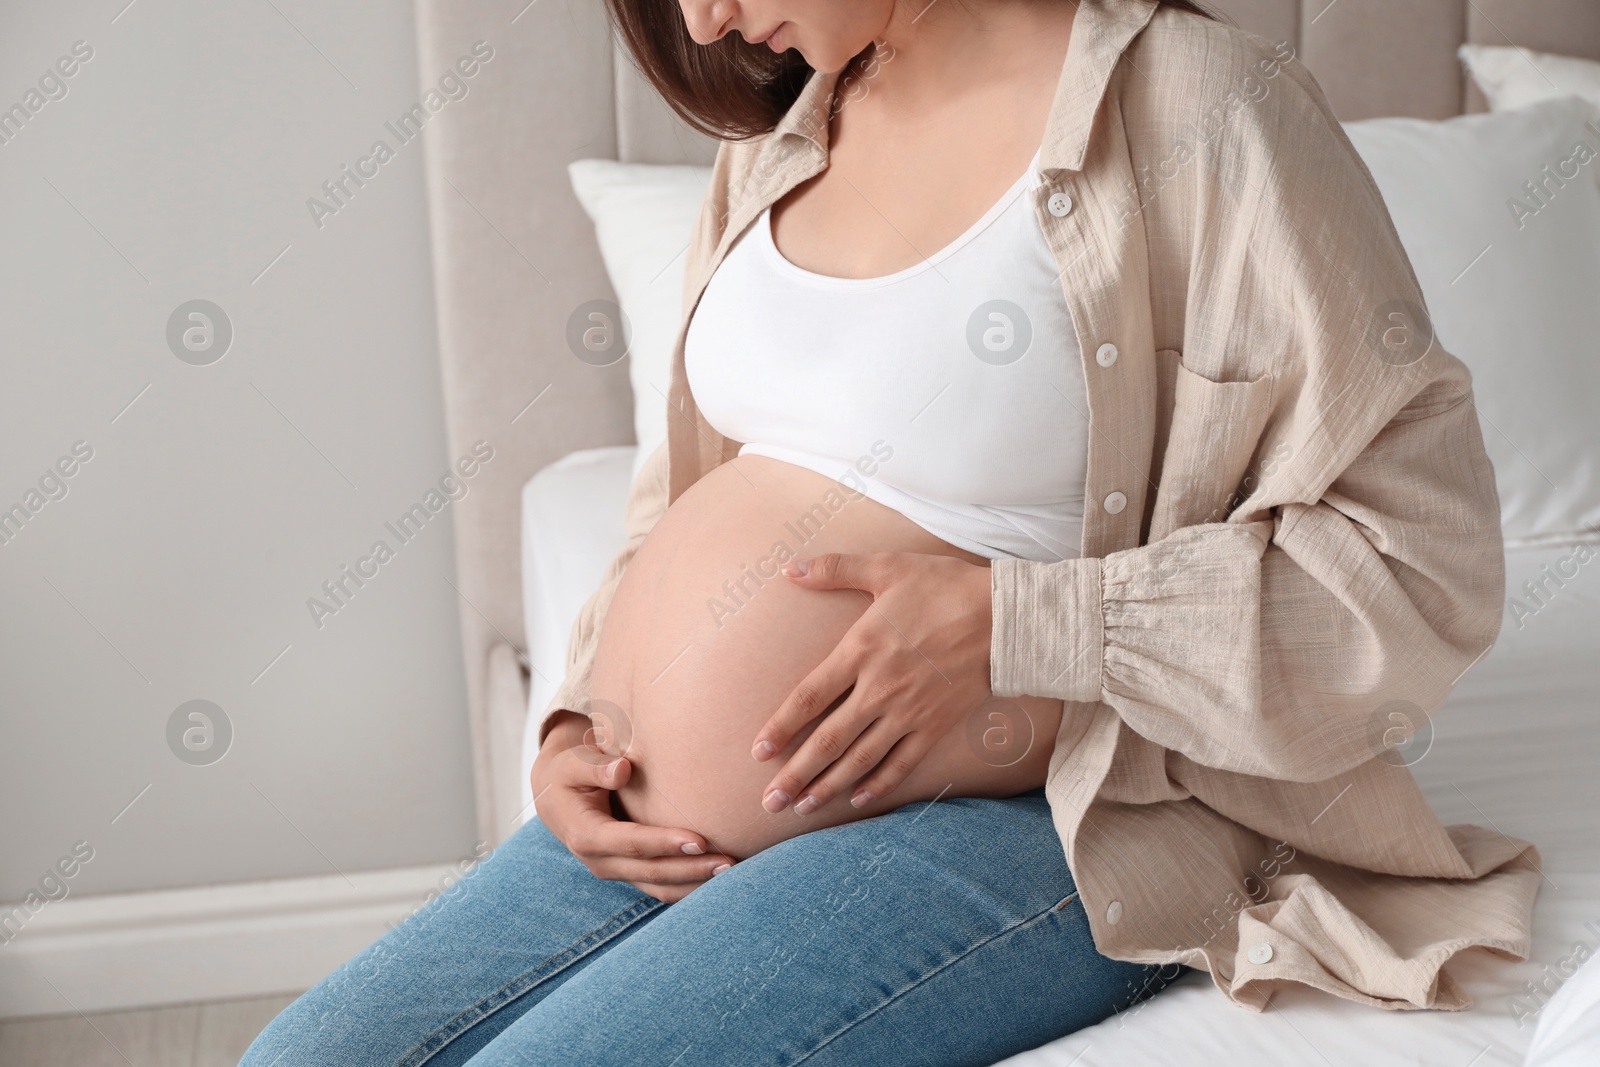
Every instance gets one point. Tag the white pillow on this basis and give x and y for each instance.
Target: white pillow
(1516, 77)
(1514, 291)
(644, 215)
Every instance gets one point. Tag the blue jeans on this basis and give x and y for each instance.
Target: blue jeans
(936, 934)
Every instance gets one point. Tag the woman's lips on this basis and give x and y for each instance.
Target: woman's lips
(772, 38)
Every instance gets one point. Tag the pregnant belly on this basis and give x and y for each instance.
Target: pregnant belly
(704, 639)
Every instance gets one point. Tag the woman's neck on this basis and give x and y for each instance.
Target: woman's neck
(942, 49)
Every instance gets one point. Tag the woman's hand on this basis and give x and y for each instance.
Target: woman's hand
(572, 782)
(919, 663)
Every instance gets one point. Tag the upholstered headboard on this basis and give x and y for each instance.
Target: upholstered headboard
(514, 254)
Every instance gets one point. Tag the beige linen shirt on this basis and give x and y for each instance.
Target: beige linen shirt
(1291, 547)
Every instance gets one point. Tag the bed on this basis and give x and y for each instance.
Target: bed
(1512, 747)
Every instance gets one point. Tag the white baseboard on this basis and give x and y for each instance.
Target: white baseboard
(134, 950)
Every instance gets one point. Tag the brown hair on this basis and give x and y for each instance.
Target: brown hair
(729, 89)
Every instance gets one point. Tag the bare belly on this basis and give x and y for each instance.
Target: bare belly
(704, 639)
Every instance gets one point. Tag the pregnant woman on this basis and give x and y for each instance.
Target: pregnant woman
(1066, 514)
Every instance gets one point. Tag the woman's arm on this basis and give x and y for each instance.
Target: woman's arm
(1288, 647)
(647, 502)
(1363, 573)
(1274, 647)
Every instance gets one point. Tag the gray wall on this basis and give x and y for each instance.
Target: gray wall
(220, 497)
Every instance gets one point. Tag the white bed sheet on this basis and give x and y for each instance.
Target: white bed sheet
(1514, 748)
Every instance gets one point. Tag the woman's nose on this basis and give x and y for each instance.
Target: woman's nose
(707, 20)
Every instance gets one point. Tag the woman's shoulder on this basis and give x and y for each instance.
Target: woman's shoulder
(1183, 64)
(1242, 105)
(1193, 46)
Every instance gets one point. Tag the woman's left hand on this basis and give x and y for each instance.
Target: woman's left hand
(919, 663)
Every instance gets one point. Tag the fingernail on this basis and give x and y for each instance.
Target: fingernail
(692, 849)
(611, 768)
(775, 800)
(762, 750)
(797, 568)
(861, 799)
(719, 868)
(807, 805)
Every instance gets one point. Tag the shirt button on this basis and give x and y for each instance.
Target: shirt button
(1260, 954)
(1115, 503)
(1106, 354)
(1059, 204)
(1114, 912)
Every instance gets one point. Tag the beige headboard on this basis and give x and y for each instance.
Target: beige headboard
(514, 253)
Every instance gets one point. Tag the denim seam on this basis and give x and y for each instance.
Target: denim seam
(512, 990)
(1046, 913)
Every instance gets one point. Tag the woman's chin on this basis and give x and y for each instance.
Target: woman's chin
(831, 61)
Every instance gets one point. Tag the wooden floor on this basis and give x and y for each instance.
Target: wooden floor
(190, 1035)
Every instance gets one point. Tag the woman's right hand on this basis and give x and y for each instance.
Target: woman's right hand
(572, 782)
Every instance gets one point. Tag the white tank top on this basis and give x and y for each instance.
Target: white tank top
(951, 391)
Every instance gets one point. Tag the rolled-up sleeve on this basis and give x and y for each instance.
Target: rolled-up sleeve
(1275, 648)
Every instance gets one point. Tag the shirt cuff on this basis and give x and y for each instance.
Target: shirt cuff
(1048, 629)
(571, 695)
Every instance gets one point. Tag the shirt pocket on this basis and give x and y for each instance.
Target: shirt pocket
(1212, 436)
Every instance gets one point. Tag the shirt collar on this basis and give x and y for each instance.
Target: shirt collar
(808, 115)
(1101, 31)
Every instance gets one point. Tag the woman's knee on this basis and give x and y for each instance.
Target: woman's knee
(434, 976)
(314, 1029)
